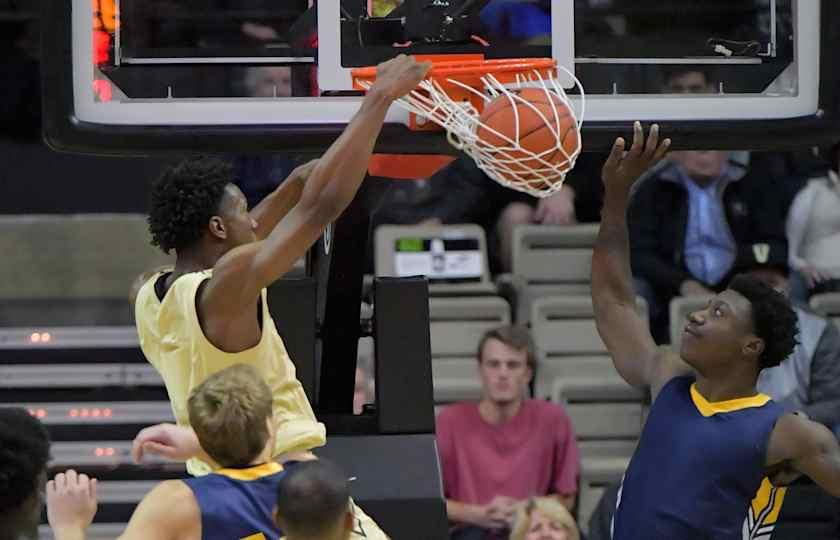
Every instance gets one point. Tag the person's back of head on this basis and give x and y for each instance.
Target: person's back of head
(231, 414)
(313, 502)
(24, 452)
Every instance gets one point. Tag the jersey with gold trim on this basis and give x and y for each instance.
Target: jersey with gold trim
(238, 503)
(697, 467)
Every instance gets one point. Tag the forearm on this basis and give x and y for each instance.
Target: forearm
(339, 173)
(612, 278)
(462, 512)
(274, 208)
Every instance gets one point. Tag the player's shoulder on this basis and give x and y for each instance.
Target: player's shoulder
(174, 491)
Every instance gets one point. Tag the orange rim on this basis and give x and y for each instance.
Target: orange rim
(468, 69)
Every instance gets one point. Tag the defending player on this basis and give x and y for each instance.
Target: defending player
(231, 415)
(710, 438)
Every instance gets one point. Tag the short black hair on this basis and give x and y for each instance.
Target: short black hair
(24, 453)
(184, 199)
(773, 318)
(311, 497)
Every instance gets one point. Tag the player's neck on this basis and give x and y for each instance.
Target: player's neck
(725, 388)
(498, 412)
(195, 260)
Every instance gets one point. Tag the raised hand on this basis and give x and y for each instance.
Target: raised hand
(169, 441)
(622, 169)
(399, 76)
(71, 501)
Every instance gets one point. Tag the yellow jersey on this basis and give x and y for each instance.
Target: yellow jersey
(174, 343)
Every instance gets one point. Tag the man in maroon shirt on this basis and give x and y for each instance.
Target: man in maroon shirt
(505, 448)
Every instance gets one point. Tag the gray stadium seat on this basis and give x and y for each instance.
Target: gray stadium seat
(386, 237)
(827, 305)
(571, 351)
(550, 261)
(456, 326)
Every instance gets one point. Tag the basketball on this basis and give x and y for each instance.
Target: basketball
(540, 122)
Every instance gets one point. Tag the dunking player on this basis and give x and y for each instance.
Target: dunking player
(210, 311)
(710, 438)
(231, 413)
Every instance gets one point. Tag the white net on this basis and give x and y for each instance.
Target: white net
(502, 156)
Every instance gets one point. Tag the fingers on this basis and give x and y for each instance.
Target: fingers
(51, 487)
(662, 151)
(652, 142)
(94, 485)
(616, 154)
(638, 139)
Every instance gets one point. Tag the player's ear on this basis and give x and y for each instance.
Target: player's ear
(217, 227)
(753, 346)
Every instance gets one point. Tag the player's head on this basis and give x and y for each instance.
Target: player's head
(24, 452)
(748, 322)
(195, 205)
(231, 415)
(313, 502)
(544, 518)
(506, 363)
(687, 80)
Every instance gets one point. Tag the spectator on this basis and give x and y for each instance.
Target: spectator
(313, 502)
(698, 220)
(813, 231)
(24, 451)
(809, 379)
(687, 80)
(543, 518)
(504, 449)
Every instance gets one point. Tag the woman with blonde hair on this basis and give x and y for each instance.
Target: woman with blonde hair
(544, 518)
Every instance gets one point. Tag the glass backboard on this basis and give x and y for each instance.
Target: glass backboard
(268, 75)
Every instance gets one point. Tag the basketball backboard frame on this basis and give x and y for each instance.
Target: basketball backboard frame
(73, 121)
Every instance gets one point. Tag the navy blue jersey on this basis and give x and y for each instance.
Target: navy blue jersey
(238, 503)
(697, 467)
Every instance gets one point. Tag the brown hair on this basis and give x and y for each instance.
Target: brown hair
(516, 337)
(228, 412)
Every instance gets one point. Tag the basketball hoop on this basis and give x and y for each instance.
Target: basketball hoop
(454, 94)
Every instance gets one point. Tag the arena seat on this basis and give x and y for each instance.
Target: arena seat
(548, 261)
(385, 261)
(827, 305)
(456, 326)
(570, 350)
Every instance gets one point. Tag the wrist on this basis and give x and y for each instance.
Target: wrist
(376, 98)
(69, 532)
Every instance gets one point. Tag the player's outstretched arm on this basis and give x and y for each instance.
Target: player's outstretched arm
(241, 274)
(810, 448)
(277, 205)
(624, 331)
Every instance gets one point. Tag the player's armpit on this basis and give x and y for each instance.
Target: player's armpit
(810, 448)
(168, 512)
